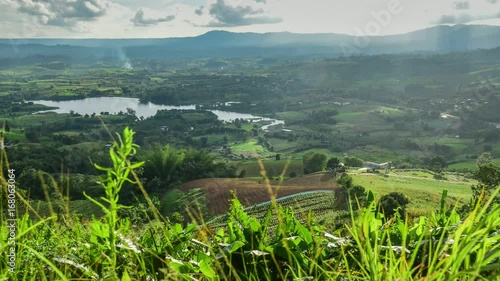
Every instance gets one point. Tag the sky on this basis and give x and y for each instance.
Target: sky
(176, 18)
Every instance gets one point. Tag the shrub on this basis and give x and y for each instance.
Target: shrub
(392, 203)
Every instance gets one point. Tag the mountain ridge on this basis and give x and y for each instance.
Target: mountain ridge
(224, 43)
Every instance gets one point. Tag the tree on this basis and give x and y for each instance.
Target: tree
(484, 159)
(31, 135)
(161, 164)
(488, 176)
(392, 203)
(166, 166)
(242, 174)
(204, 141)
(37, 182)
(237, 123)
(437, 164)
(353, 162)
(356, 193)
(333, 163)
(313, 162)
(130, 111)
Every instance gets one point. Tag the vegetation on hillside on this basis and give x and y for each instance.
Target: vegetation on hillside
(215, 193)
(444, 246)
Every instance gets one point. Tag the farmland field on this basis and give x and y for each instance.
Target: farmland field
(320, 204)
(251, 192)
(249, 148)
(263, 146)
(273, 168)
(424, 192)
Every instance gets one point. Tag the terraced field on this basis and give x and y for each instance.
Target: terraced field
(251, 191)
(321, 203)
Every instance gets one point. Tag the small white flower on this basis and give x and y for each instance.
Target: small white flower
(338, 240)
(256, 253)
(396, 249)
(77, 265)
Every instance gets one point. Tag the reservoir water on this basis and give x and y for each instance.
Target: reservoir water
(113, 105)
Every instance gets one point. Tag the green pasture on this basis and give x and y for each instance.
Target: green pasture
(249, 146)
(470, 165)
(15, 135)
(273, 167)
(424, 193)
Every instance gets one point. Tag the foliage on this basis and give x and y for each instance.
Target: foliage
(437, 164)
(333, 163)
(320, 203)
(442, 246)
(190, 205)
(356, 193)
(488, 176)
(166, 166)
(353, 162)
(314, 162)
(484, 159)
(112, 183)
(392, 203)
(140, 212)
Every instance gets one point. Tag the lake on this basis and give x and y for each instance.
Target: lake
(113, 105)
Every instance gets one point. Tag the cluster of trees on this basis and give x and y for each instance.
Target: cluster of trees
(488, 176)
(194, 89)
(322, 116)
(166, 166)
(71, 171)
(352, 161)
(317, 162)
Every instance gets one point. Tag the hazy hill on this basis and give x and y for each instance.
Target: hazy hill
(222, 43)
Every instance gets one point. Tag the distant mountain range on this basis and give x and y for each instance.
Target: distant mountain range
(227, 44)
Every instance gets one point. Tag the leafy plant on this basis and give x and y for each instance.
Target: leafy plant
(278, 246)
(104, 236)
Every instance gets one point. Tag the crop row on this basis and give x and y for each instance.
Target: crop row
(318, 202)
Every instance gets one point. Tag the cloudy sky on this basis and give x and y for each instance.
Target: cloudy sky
(180, 18)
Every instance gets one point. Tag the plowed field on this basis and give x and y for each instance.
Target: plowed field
(251, 192)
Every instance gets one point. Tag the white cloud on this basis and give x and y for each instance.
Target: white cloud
(64, 13)
(140, 20)
(225, 14)
(111, 18)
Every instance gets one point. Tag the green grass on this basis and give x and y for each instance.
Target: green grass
(283, 146)
(273, 167)
(469, 165)
(69, 133)
(352, 117)
(424, 192)
(291, 115)
(243, 246)
(15, 135)
(80, 207)
(84, 146)
(249, 146)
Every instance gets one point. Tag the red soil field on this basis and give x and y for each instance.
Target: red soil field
(251, 192)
